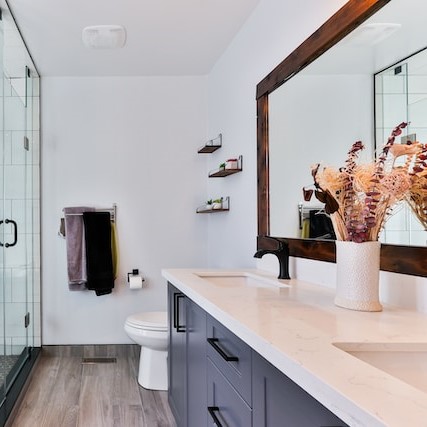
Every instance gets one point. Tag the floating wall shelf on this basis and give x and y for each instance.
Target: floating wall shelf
(225, 171)
(215, 207)
(212, 145)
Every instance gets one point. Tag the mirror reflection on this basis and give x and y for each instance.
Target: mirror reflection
(401, 91)
(317, 115)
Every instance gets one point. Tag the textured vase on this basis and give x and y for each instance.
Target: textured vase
(358, 271)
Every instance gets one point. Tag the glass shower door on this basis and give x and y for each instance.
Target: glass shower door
(14, 254)
(20, 336)
(3, 278)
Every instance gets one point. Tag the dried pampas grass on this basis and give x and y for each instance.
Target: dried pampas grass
(361, 197)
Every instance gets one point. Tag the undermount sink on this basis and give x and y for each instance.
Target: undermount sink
(240, 280)
(405, 361)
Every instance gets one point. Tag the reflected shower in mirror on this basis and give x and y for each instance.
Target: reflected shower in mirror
(401, 91)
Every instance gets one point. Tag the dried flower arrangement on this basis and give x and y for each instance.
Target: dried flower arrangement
(360, 197)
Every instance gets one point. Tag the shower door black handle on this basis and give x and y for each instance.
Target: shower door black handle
(15, 233)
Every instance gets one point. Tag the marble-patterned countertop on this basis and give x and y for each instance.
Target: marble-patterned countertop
(300, 331)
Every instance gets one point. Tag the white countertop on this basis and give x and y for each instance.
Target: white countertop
(295, 329)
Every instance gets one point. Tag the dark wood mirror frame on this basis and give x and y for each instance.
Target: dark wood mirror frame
(394, 258)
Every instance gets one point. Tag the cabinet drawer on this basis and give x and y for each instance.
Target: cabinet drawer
(225, 405)
(232, 357)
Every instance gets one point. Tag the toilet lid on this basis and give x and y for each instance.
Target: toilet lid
(153, 320)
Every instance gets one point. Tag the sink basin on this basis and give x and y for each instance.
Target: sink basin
(240, 280)
(405, 361)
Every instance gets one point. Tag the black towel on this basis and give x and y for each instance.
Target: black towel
(99, 260)
(321, 225)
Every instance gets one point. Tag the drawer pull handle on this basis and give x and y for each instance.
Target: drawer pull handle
(212, 410)
(213, 342)
(176, 318)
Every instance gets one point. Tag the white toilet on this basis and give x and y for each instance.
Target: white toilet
(150, 331)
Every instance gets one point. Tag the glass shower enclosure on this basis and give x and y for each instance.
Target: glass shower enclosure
(20, 338)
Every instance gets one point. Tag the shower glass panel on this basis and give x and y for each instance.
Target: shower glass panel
(19, 213)
(3, 278)
(15, 170)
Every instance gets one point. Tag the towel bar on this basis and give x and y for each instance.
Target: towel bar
(112, 211)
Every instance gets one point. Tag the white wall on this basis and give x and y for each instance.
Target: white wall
(274, 29)
(132, 141)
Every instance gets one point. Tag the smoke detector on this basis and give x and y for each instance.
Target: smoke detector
(104, 36)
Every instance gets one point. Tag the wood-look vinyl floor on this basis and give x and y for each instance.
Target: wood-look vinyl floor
(63, 392)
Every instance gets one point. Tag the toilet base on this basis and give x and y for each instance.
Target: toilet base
(153, 371)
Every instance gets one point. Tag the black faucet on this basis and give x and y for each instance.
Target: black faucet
(282, 253)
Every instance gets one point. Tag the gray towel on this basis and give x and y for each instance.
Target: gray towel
(76, 250)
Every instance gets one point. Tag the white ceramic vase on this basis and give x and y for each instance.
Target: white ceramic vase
(358, 271)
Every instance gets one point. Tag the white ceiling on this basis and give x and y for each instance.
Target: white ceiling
(164, 37)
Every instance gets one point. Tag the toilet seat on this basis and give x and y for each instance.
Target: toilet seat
(151, 321)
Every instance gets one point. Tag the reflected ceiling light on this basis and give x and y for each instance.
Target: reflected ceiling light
(104, 36)
(372, 33)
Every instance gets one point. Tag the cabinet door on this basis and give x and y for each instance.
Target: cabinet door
(225, 406)
(177, 357)
(278, 401)
(196, 365)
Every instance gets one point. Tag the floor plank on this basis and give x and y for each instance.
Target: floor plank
(64, 392)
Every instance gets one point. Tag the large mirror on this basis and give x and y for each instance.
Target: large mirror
(313, 106)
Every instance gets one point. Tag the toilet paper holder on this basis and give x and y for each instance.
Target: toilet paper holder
(135, 272)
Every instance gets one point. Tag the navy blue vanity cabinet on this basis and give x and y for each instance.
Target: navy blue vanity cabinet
(187, 393)
(177, 356)
(278, 401)
(216, 379)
